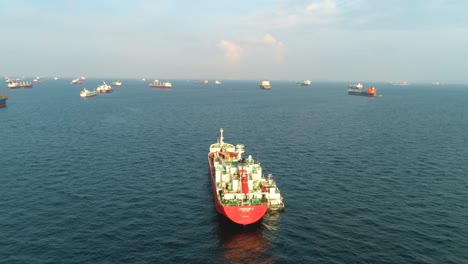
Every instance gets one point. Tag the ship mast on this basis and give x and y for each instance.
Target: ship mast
(221, 138)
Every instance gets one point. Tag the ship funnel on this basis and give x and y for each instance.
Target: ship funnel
(239, 151)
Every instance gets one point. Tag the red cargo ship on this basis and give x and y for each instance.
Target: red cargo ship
(240, 192)
(356, 89)
(3, 99)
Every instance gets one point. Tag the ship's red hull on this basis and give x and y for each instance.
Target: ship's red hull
(362, 94)
(3, 99)
(242, 214)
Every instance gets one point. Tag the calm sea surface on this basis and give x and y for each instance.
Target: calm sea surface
(123, 177)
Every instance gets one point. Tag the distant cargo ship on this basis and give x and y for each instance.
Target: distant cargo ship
(401, 83)
(38, 80)
(19, 84)
(87, 93)
(3, 99)
(265, 85)
(77, 81)
(104, 88)
(304, 83)
(117, 83)
(356, 89)
(205, 82)
(158, 84)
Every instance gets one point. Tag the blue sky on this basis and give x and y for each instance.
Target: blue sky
(320, 40)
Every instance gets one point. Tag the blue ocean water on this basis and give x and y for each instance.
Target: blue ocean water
(123, 177)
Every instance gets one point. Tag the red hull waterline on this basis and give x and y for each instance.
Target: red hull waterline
(162, 87)
(242, 215)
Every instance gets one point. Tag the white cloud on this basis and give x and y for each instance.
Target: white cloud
(270, 48)
(264, 48)
(290, 14)
(232, 52)
(266, 40)
(323, 7)
(270, 40)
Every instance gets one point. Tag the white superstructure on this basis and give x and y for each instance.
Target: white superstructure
(104, 88)
(304, 83)
(230, 167)
(355, 87)
(265, 84)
